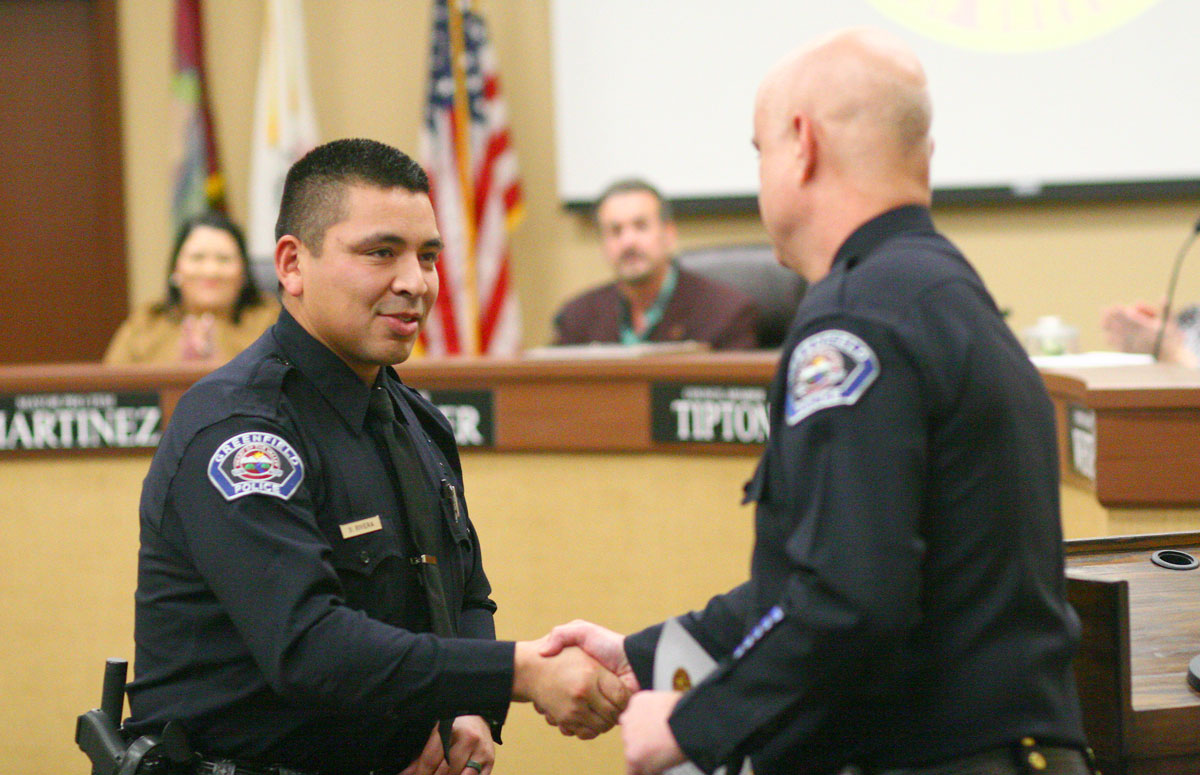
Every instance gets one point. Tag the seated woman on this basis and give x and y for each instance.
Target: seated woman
(212, 310)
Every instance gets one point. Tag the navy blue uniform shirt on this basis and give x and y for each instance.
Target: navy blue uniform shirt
(277, 615)
(906, 604)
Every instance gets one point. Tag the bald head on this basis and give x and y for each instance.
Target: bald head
(866, 94)
(842, 131)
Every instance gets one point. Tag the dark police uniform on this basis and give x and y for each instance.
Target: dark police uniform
(277, 614)
(906, 603)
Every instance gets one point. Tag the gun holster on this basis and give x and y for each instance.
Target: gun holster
(100, 735)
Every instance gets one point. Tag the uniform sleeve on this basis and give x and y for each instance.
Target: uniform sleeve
(842, 497)
(268, 564)
(717, 629)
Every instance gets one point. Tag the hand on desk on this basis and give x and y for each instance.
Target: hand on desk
(1133, 328)
(571, 689)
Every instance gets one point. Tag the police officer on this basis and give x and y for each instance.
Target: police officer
(287, 596)
(906, 610)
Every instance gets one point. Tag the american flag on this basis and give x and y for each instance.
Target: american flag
(467, 151)
(199, 185)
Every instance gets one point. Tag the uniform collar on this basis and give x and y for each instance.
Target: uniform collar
(337, 383)
(867, 237)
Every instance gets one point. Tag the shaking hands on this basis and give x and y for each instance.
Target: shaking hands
(575, 691)
(650, 747)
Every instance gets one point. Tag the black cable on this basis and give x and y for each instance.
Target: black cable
(1166, 310)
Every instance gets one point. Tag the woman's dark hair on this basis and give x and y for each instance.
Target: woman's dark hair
(248, 296)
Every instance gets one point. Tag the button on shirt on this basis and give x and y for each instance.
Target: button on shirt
(287, 625)
(906, 604)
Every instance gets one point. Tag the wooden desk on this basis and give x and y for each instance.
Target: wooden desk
(538, 405)
(1129, 446)
(1141, 627)
(590, 405)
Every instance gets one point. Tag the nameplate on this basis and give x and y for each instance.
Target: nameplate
(368, 525)
(38, 421)
(1081, 439)
(709, 414)
(470, 415)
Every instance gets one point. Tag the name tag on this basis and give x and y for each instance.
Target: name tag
(368, 525)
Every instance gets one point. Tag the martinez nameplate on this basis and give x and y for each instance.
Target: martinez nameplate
(39, 421)
(709, 414)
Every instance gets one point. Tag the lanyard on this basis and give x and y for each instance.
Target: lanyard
(654, 314)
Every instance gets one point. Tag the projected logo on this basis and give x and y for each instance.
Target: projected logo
(1012, 25)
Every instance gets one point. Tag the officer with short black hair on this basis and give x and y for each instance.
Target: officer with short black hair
(311, 594)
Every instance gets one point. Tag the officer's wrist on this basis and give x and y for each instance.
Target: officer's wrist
(525, 665)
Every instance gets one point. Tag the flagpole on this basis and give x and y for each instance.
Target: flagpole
(462, 141)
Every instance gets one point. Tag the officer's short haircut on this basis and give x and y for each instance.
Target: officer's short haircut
(630, 185)
(314, 192)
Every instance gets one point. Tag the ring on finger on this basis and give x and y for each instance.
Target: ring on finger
(473, 765)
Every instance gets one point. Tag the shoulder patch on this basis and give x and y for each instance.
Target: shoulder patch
(255, 462)
(829, 368)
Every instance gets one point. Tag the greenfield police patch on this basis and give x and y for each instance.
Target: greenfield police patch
(830, 368)
(255, 462)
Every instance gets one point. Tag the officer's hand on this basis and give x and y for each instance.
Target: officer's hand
(471, 741)
(573, 691)
(431, 758)
(650, 746)
(605, 646)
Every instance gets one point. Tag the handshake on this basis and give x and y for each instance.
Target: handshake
(577, 676)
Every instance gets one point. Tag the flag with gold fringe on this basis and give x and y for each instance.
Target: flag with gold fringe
(467, 150)
(198, 184)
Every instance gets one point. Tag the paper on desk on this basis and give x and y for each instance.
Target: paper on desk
(679, 664)
(606, 350)
(1098, 358)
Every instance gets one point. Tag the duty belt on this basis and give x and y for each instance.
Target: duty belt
(230, 767)
(1024, 758)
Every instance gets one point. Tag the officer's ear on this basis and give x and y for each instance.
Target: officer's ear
(804, 138)
(287, 265)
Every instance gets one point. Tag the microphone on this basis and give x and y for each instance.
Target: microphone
(1166, 311)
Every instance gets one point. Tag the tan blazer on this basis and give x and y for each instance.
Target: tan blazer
(151, 336)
